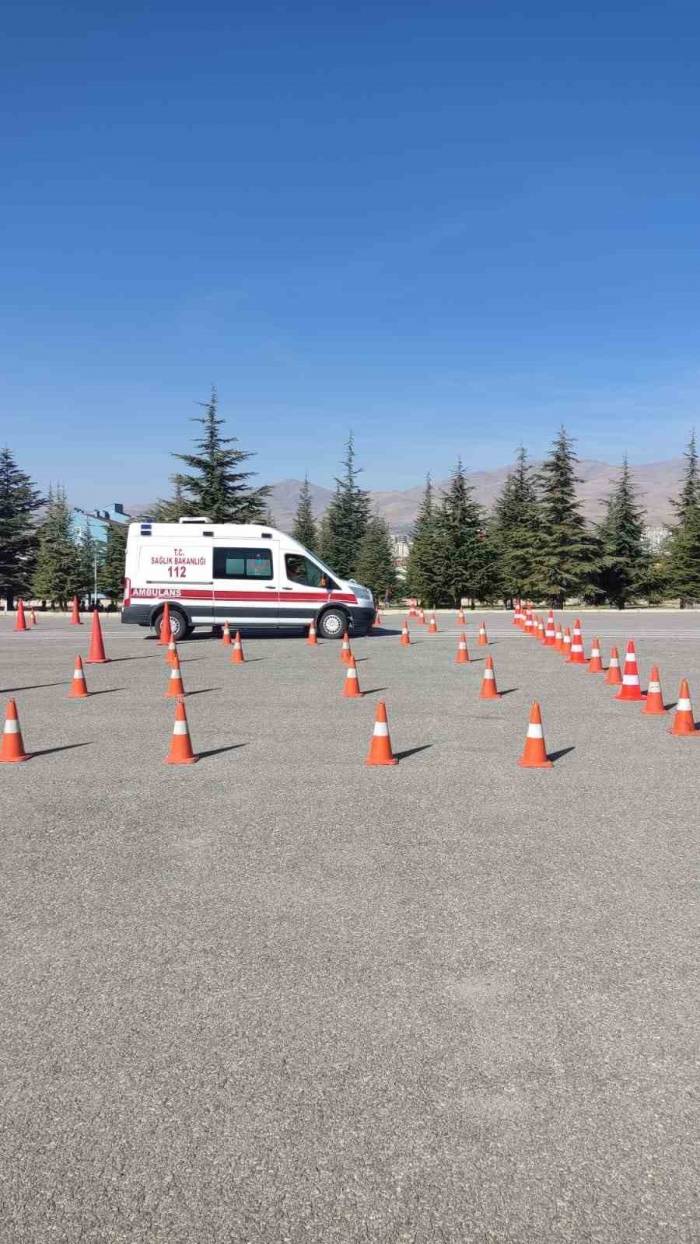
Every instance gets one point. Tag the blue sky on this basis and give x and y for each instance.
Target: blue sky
(449, 225)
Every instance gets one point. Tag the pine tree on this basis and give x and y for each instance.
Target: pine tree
(565, 564)
(218, 488)
(304, 528)
(57, 574)
(115, 557)
(19, 500)
(425, 556)
(461, 530)
(376, 567)
(516, 530)
(346, 519)
(171, 509)
(683, 564)
(624, 563)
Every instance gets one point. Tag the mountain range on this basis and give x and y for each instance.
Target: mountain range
(656, 483)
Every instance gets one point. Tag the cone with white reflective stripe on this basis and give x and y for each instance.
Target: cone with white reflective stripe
(226, 635)
(237, 654)
(78, 686)
(181, 752)
(683, 720)
(613, 678)
(380, 752)
(489, 690)
(540, 630)
(461, 620)
(483, 638)
(528, 622)
(558, 638)
(421, 616)
(12, 747)
(171, 653)
(311, 638)
(630, 689)
(535, 753)
(550, 633)
(566, 643)
(654, 705)
(165, 633)
(377, 621)
(175, 687)
(432, 625)
(345, 653)
(21, 622)
(462, 657)
(595, 665)
(577, 655)
(405, 634)
(517, 615)
(351, 683)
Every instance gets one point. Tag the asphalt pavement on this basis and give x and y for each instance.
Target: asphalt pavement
(279, 996)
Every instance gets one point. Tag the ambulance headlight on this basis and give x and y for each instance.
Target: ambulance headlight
(361, 592)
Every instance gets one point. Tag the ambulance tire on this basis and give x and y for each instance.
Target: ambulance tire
(179, 625)
(333, 623)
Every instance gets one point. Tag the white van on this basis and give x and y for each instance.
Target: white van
(248, 576)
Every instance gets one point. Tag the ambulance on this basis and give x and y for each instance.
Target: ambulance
(249, 576)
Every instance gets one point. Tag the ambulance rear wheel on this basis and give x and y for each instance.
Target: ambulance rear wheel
(332, 624)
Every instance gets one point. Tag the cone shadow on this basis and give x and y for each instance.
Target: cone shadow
(67, 747)
(106, 691)
(35, 686)
(563, 751)
(201, 691)
(412, 751)
(218, 751)
(509, 690)
(374, 690)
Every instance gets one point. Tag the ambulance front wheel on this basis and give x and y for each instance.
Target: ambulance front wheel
(333, 623)
(179, 625)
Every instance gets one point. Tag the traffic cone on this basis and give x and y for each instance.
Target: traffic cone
(175, 687)
(226, 635)
(462, 657)
(12, 747)
(527, 624)
(21, 623)
(33, 618)
(595, 665)
(380, 752)
(351, 683)
(432, 625)
(488, 683)
(613, 678)
(96, 654)
(550, 634)
(535, 753)
(171, 653)
(654, 705)
(577, 656)
(540, 630)
(78, 686)
(405, 634)
(461, 621)
(75, 618)
(237, 655)
(566, 643)
(683, 720)
(180, 744)
(165, 634)
(421, 617)
(345, 653)
(558, 638)
(630, 689)
(516, 614)
(377, 621)
(483, 638)
(311, 637)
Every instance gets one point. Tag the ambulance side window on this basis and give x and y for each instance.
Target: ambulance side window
(242, 563)
(306, 573)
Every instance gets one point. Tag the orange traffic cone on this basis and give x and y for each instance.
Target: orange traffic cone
(566, 643)
(421, 616)
(595, 665)
(96, 654)
(577, 656)
(351, 683)
(21, 623)
(34, 618)
(175, 687)
(516, 614)
(75, 618)
(654, 705)
(311, 637)
(630, 689)
(237, 655)
(550, 633)
(171, 653)
(483, 639)
(613, 678)
(540, 630)
(12, 747)
(535, 753)
(226, 635)
(461, 621)
(558, 638)
(180, 744)
(377, 621)
(165, 633)
(528, 623)
(683, 720)
(432, 625)
(345, 653)
(405, 634)
(462, 657)
(380, 752)
(488, 683)
(78, 686)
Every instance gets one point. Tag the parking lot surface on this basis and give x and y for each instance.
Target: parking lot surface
(280, 996)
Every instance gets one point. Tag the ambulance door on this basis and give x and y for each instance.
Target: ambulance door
(304, 587)
(246, 582)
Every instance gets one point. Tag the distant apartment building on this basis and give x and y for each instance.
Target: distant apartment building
(655, 537)
(401, 545)
(97, 522)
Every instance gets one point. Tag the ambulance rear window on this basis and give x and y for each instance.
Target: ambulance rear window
(242, 563)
